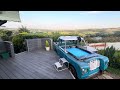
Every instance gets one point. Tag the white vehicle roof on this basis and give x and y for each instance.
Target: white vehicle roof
(69, 37)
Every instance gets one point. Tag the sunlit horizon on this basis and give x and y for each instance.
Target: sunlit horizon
(67, 20)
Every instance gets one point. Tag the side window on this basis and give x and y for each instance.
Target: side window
(82, 43)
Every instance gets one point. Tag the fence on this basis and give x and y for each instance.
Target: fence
(39, 43)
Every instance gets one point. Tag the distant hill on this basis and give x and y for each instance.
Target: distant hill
(107, 30)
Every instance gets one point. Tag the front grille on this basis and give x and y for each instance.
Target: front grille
(94, 64)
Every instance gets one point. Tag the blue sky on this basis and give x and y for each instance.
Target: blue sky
(69, 19)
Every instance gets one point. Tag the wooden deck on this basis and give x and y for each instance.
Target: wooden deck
(33, 65)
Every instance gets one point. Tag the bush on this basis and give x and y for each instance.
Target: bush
(110, 53)
(19, 41)
(23, 29)
(5, 35)
(55, 36)
(47, 43)
(8, 33)
(116, 61)
(113, 55)
(101, 52)
(117, 33)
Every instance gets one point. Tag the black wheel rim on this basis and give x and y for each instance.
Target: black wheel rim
(73, 71)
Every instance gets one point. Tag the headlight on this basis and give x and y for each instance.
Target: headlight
(84, 71)
(106, 63)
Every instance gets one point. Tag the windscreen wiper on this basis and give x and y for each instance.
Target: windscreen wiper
(87, 57)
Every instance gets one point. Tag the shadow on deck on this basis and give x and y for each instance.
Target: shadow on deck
(32, 65)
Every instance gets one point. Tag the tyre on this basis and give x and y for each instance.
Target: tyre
(73, 71)
(101, 72)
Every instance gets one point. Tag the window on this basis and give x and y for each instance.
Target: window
(82, 43)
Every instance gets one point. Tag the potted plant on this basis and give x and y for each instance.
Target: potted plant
(47, 46)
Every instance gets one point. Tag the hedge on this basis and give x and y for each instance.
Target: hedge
(113, 55)
(19, 41)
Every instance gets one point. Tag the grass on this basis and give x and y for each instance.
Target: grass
(113, 71)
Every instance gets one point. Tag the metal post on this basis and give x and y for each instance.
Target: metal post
(85, 42)
(65, 45)
(51, 43)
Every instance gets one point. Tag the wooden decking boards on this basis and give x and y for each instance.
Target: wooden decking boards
(34, 65)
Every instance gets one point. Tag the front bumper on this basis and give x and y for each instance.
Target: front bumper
(91, 74)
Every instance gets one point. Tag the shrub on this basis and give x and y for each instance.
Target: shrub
(47, 43)
(5, 35)
(55, 36)
(116, 61)
(23, 29)
(117, 33)
(110, 53)
(19, 41)
(8, 33)
(113, 55)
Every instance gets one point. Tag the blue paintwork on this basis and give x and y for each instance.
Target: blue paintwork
(77, 52)
(79, 65)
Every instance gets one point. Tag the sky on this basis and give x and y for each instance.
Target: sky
(67, 19)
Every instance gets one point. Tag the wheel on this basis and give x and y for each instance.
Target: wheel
(101, 72)
(73, 71)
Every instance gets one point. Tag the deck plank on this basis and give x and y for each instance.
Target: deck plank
(25, 69)
(20, 71)
(3, 74)
(11, 75)
(0, 77)
(11, 69)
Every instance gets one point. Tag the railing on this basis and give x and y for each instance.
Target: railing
(35, 44)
